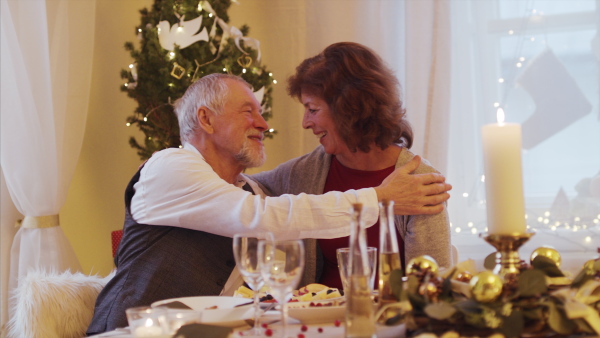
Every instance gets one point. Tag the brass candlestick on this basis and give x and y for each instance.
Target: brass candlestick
(507, 252)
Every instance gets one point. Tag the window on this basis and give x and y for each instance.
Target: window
(538, 60)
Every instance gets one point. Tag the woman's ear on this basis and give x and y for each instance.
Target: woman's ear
(206, 119)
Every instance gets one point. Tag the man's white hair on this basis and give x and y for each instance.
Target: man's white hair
(209, 91)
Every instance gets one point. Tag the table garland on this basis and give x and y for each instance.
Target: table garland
(538, 302)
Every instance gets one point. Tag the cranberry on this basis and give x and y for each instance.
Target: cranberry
(264, 325)
(303, 328)
(337, 322)
(320, 330)
(268, 332)
(300, 335)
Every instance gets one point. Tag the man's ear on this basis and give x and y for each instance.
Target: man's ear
(206, 119)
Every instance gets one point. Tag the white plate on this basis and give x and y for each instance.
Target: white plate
(329, 312)
(226, 314)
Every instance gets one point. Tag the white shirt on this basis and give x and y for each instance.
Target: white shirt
(177, 187)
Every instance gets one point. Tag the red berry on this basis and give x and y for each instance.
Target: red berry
(337, 322)
(268, 332)
(320, 330)
(303, 328)
(300, 335)
(264, 325)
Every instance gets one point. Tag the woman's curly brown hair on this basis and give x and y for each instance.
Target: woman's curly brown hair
(361, 91)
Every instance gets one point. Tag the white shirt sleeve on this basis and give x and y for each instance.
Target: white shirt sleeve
(178, 188)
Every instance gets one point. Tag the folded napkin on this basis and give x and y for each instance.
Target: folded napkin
(202, 330)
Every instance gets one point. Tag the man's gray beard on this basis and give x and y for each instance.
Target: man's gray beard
(249, 158)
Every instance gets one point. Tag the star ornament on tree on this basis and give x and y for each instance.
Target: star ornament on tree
(183, 34)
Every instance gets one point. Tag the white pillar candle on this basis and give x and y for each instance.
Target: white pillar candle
(503, 177)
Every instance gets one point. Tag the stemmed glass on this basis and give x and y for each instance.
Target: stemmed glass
(281, 264)
(245, 251)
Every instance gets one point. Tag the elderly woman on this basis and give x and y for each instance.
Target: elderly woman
(352, 104)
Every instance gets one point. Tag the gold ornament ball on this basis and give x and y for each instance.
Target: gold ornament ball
(429, 289)
(464, 276)
(486, 287)
(421, 263)
(548, 252)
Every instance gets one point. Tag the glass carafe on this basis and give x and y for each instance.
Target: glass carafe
(360, 317)
(389, 258)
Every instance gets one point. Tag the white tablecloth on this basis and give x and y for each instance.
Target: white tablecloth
(294, 328)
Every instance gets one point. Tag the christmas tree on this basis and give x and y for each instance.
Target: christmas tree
(181, 41)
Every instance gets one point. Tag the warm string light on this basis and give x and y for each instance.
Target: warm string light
(521, 59)
(545, 221)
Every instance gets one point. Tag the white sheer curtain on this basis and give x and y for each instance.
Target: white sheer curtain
(538, 60)
(427, 82)
(46, 72)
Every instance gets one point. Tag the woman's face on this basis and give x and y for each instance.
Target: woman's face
(317, 116)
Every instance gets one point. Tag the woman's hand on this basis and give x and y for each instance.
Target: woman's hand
(414, 194)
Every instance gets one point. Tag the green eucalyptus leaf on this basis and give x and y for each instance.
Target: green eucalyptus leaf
(582, 277)
(536, 313)
(446, 293)
(583, 326)
(468, 306)
(513, 325)
(397, 284)
(417, 301)
(490, 261)
(532, 283)
(412, 285)
(440, 311)
(557, 318)
(547, 265)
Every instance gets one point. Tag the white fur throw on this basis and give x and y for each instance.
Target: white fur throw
(54, 305)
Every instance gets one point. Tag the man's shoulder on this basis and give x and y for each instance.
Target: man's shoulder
(170, 155)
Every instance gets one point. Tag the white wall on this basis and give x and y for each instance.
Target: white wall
(94, 205)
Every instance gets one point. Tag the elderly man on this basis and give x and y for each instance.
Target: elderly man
(184, 205)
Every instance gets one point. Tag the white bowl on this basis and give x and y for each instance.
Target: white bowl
(328, 312)
(225, 313)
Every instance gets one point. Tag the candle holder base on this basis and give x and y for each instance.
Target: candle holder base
(507, 251)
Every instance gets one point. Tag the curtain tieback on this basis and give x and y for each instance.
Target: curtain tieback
(39, 222)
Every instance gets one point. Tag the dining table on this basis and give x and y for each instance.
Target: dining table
(295, 329)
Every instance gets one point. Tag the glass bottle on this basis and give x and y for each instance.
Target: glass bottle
(360, 316)
(389, 258)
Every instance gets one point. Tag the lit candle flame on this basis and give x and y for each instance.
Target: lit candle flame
(500, 116)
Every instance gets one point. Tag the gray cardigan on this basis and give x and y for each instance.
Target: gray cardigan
(422, 234)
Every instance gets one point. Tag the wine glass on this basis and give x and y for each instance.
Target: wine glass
(245, 251)
(281, 264)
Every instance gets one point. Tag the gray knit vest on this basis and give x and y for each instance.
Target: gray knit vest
(160, 262)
